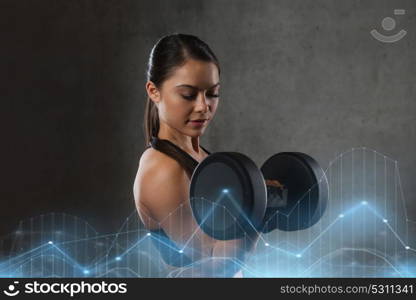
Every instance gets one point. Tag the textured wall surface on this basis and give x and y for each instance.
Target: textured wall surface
(296, 75)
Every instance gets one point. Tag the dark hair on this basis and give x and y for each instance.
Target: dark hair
(170, 52)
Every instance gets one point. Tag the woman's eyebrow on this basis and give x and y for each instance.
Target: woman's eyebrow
(194, 87)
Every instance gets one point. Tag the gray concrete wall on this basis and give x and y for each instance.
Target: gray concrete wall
(296, 75)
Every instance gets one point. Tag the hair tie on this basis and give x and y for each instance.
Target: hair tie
(153, 140)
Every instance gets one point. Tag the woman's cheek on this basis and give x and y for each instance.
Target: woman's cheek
(214, 108)
(176, 109)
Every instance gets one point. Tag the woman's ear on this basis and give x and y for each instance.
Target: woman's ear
(153, 92)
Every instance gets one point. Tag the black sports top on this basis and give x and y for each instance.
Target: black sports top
(167, 248)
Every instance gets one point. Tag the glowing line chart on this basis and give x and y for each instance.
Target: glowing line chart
(366, 231)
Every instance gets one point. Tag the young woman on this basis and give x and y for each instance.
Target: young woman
(183, 95)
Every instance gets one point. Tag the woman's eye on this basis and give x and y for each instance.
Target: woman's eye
(188, 97)
(191, 97)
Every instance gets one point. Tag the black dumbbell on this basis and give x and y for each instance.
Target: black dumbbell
(231, 197)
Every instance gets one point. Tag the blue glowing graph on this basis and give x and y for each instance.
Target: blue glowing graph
(366, 231)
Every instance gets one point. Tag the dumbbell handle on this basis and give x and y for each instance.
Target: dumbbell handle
(276, 193)
(276, 198)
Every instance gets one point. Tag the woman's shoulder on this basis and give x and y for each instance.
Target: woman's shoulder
(160, 185)
(152, 159)
(156, 171)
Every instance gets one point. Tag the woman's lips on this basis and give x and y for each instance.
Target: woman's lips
(198, 123)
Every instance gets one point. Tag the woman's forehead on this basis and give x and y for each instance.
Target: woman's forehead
(195, 74)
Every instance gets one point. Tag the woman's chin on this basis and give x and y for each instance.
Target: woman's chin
(195, 133)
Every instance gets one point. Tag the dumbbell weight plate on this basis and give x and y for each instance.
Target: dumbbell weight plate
(307, 191)
(222, 193)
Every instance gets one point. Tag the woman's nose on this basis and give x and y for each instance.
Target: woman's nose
(202, 104)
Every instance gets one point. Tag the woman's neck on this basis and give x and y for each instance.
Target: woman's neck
(187, 143)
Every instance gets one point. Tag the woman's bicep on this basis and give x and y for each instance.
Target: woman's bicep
(162, 194)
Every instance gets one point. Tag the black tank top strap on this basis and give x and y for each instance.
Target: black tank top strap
(154, 140)
(178, 148)
(207, 152)
(170, 149)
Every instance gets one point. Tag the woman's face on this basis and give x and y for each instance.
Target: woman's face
(191, 93)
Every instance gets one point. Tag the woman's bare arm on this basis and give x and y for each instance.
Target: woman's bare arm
(161, 195)
(161, 192)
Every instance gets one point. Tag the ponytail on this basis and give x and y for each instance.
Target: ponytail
(151, 124)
